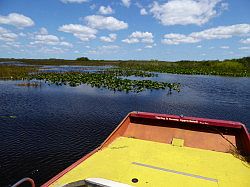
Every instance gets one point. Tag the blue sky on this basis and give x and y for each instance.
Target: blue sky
(125, 29)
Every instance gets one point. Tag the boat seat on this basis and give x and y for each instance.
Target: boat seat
(96, 182)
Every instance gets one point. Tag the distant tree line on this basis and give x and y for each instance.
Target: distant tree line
(83, 59)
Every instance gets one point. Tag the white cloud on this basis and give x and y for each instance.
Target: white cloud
(224, 6)
(143, 12)
(175, 39)
(224, 47)
(149, 46)
(139, 49)
(221, 32)
(84, 33)
(105, 49)
(13, 44)
(131, 40)
(102, 22)
(184, 12)
(17, 20)
(245, 41)
(126, 3)
(93, 6)
(43, 30)
(74, 1)
(22, 34)
(47, 38)
(52, 50)
(199, 46)
(105, 10)
(108, 47)
(110, 38)
(42, 37)
(66, 44)
(6, 35)
(136, 37)
(244, 48)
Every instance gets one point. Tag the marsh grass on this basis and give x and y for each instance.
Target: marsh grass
(230, 67)
(224, 68)
(16, 72)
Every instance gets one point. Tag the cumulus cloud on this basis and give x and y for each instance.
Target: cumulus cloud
(13, 44)
(175, 39)
(74, 1)
(47, 38)
(244, 48)
(43, 30)
(131, 40)
(17, 20)
(110, 47)
(221, 32)
(52, 50)
(84, 33)
(42, 37)
(184, 12)
(110, 38)
(224, 47)
(105, 49)
(136, 37)
(126, 3)
(6, 35)
(245, 41)
(105, 10)
(22, 34)
(143, 12)
(102, 22)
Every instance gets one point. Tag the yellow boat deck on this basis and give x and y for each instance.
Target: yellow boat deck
(159, 164)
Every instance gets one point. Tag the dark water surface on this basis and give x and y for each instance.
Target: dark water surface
(55, 126)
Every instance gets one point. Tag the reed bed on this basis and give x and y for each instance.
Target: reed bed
(16, 72)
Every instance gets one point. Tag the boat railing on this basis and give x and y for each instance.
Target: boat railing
(23, 181)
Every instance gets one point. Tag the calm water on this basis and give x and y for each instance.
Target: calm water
(55, 126)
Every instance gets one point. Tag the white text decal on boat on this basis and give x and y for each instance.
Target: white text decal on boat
(181, 120)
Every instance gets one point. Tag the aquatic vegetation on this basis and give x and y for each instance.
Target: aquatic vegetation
(16, 72)
(229, 67)
(103, 80)
(236, 68)
(129, 72)
(8, 117)
(112, 79)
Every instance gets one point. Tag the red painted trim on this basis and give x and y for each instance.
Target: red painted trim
(52, 180)
(192, 120)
